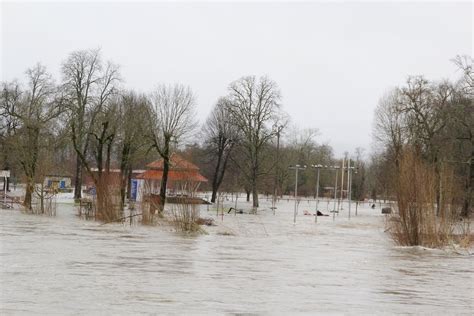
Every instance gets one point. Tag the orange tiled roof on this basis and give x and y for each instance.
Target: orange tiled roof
(176, 161)
(173, 175)
(180, 170)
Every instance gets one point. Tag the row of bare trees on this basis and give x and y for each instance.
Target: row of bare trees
(87, 119)
(88, 123)
(435, 121)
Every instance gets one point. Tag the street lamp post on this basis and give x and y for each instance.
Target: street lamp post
(318, 168)
(349, 183)
(277, 129)
(296, 168)
(340, 201)
(336, 168)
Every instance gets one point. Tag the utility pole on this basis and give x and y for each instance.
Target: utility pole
(296, 168)
(341, 199)
(349, 185)
(318, 168)
(335, 193)
(277, 129)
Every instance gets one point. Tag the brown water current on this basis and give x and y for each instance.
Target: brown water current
(64, 265)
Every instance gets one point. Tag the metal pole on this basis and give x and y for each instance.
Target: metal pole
(317, 196)
(342, 186)
(349, 181)
(275, 188)
(335, 195)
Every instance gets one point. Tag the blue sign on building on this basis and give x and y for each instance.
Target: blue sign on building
(134, 191)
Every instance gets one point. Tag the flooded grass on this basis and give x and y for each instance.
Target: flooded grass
(246, 264)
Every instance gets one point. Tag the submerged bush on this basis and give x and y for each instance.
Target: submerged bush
(185, 217)
(417, 222)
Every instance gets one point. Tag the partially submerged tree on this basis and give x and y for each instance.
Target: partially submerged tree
(131, 140)
(253, 105)
(436, 121)
(220, 139)
(9, 100)
(171, 115)
(33, 110)
(358, 176)
(88, 84)
(461, 129)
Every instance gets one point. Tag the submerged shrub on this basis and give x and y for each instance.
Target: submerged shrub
(185, 217)
(417, 221)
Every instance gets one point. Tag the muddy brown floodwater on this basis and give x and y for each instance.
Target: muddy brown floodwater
(63, 265)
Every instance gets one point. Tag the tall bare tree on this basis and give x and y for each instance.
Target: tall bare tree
(389, 128)
(424, 107)
(33, 110)
(131, 135)
(171, 114)
(461, 128)
(89, 84)
(253, 106)
(220, 137)
(9, 99)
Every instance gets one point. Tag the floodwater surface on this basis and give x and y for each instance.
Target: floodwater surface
(247, 264)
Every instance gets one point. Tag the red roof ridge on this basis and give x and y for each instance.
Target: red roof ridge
(176, 163)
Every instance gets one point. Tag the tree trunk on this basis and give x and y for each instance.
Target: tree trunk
(255, 196)
(28, 193)
(109, 152)
(214, 193)
(78, 179)
(42, 199)
(164, 178)
(248, 194)
(254, 187)
(123, 176)
(215, 185)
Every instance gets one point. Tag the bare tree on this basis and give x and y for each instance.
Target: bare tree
(423, 105)
(171, 114)
(253, 105)
(89, 85)
(221, 136)
(131, 135)
(461, 128)
(9, 99)
(389, 126)
(465, 64)
(33, 111)
(434, 120)
(359, 176)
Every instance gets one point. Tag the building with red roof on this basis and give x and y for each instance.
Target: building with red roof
(182, 175)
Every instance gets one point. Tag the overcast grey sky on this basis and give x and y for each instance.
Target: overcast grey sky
(332, 61)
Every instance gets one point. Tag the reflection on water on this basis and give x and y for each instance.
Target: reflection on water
(63, 265)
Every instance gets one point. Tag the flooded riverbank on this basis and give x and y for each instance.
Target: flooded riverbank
(255, 264)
